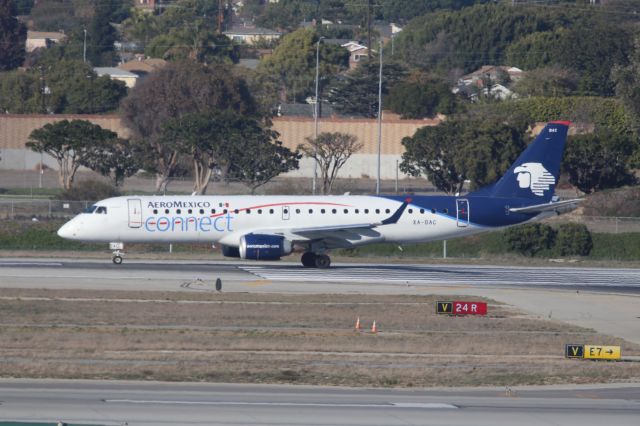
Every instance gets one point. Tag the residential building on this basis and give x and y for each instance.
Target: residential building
(39, 39)
(251, 35)
(357, 53)
(114, 73)
(143, 66)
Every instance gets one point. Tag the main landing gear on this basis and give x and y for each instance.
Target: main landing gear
(312, 260)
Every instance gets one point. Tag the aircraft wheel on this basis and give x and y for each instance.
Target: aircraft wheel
(323, 261)
(308, 260)
(117, 260)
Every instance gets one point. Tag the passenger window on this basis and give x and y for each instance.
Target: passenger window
(213, 211)
(433, 211)
(346, 211)
(410, 211)
(155, 211)
(298, 211)
(366, 211)
(259, 211)
(224, 211)
(236, 211)
(334, 211)
(357, 211)
(378, 211)
(166, 211)
(387, 211)
(201, 211)
(271, 211)
(190, 211)
(322, 211)
(445, 211)
(285, 211)
(178, 211)
(421, 211)
(310, 211)
(248, 211)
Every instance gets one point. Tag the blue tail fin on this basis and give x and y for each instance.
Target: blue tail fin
(535, 173)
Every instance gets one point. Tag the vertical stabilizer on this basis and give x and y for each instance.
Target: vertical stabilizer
(536, 172)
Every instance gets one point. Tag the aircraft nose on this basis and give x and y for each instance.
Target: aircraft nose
(67, 231)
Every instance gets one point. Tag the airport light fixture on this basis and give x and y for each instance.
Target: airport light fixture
(315, 117)
(379, 120)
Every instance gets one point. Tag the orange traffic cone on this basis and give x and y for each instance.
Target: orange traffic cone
(357, 324)
(374, 328)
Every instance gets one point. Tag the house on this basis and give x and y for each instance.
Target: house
(38, 39)
(146, 5)
(143, 66)
(357, 53)
(114, 73)
(250, 35)
(489, 80)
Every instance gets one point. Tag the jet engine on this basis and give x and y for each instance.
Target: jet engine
(230, 251)
(264, 247)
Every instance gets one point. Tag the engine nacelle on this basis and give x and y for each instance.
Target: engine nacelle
(230, 251)
(264, 247)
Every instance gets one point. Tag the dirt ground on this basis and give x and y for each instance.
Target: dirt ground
(310, 339)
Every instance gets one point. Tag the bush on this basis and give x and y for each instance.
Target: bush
(573, 239)
(90, 190)
(529, 239)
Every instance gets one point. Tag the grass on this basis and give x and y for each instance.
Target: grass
(254, 338)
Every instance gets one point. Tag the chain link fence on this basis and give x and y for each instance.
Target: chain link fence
(57, 209)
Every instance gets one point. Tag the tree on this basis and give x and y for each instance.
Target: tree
(293, 64)
(263, 159)
(176, 90)
(116, 158)
(599, 160)
(480, 150)
(552, 81)
(573, 239)
(420, 99)
(529, 239)
(331, 151)
(101, 35)
(357, 91)
(236, 146)
(72, 87)
(72, 144)
(12, 37)
(198, 44)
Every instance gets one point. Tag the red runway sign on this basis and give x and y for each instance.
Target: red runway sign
(461, 308)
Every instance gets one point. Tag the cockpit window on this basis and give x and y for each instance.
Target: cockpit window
(101, 210)
(90, 209)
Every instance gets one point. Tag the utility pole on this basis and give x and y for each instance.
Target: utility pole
(84, 47)
(315, 118)
(220, 15)
(379, 120)
(43, 88)
(369, 29)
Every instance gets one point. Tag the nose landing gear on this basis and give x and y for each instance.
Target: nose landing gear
(118, 254)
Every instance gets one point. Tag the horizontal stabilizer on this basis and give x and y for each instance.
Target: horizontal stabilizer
(564, 205)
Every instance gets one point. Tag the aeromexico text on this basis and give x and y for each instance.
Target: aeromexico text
(177, 204)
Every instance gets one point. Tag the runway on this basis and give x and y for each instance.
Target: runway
(154, 274)
(141, 404)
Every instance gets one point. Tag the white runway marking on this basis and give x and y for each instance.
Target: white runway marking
(285, 404)
(428, 274)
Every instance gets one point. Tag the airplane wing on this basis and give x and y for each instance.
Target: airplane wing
(563, 206)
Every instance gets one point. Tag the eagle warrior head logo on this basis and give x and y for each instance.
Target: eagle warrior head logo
(535, 177)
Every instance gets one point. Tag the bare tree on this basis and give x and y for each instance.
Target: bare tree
(331, 151)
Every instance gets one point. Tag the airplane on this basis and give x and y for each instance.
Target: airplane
(270, 227)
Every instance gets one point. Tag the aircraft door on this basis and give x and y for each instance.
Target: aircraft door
(135, 213)
(463, 212)
(286, 212)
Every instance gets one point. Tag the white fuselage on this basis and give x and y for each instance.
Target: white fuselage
(224, 219)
